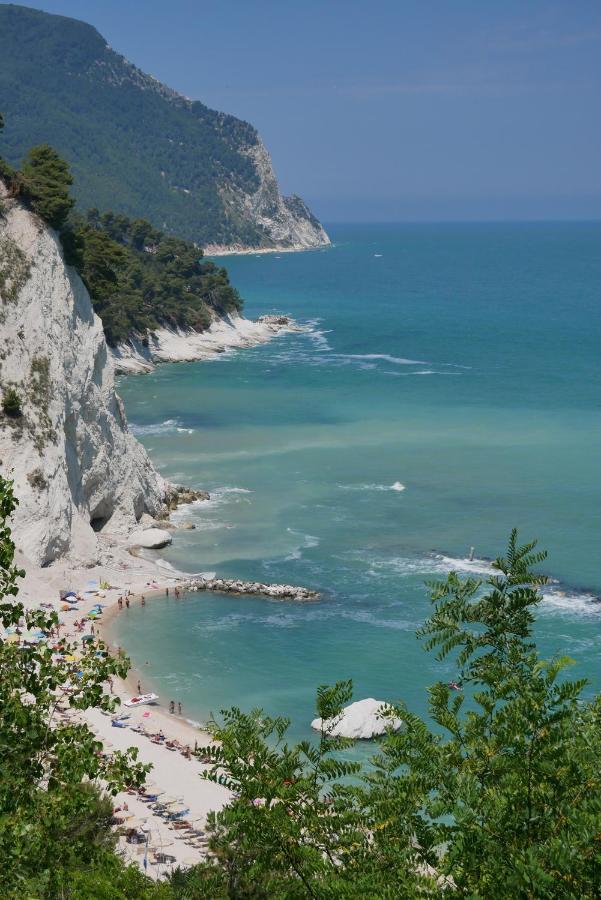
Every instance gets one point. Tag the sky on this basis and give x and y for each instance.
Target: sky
(391, 110)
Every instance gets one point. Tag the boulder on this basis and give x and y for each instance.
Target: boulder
(151, 538)
(360, 720)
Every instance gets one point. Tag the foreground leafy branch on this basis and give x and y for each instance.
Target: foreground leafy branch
(496, 795)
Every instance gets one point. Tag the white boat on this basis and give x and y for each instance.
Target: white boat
(141, 700)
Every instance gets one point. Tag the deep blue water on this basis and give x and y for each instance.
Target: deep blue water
(458, 362)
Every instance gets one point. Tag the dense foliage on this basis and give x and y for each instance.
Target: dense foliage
(54, 819)
(45, 180)
(140, 278)
(501, 798)
(129, 141)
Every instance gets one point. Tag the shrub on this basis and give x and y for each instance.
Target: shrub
(37, 480)
(11, 403)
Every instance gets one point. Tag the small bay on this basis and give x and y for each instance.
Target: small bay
(446, 389)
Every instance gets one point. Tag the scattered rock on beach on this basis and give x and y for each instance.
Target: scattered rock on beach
(178, 495)
(150, 538)
(361, 720)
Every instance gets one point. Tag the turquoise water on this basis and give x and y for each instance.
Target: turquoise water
(447, 389)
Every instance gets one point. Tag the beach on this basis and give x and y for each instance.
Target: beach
(173, 775)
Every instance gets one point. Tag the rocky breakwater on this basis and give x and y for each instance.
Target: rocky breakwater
(254, 588)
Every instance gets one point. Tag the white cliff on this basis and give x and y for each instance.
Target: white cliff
(77, 470)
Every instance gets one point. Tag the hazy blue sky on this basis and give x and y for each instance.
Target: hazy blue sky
(391, 109)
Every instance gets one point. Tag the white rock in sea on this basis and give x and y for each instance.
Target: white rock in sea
(362, 719)
(151, 538)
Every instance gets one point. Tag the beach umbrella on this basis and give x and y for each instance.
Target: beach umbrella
(12, 639)
(169, 801)
(177, 809)
(88, 637)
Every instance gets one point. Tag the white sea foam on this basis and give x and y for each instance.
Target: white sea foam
(556, 600)
(169, 425)
(308, 541)
(570, 602)
(397, 487)
(385, 357)
(432, 372)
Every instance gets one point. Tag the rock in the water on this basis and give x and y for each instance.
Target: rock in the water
(362, 719)
(151, 538)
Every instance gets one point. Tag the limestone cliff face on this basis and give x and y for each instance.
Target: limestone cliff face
(285, 223)
(76, 467)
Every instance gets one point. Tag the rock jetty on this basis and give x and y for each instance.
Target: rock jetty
(234, 586)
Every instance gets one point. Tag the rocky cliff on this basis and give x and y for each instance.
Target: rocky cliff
(190, 170)
(77, 469)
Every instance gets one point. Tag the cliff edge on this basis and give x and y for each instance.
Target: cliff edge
(64, 439)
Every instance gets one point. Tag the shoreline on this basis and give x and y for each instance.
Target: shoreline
(140, 355)
(128, 686)
(216, 250)
(173, 772)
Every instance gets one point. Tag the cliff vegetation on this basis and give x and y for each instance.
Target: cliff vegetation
(138, 277)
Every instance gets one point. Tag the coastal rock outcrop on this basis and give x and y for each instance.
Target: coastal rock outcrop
(150, 538)
(361, 720)
(286, 222)
(233, 332)
(77, 468)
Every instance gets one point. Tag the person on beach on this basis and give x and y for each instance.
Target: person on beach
(120, 602)
(172, 706)
(139, 687)
(92, 631)
(166, 592)
(110, 681)
(179, 709)
(127, 602)
(143, 600)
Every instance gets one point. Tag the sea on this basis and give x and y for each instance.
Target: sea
(446, 388)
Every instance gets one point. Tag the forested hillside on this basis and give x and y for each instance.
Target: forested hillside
(133, 143)
(140, 278)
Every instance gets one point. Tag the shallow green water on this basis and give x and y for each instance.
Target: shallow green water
(457, 364)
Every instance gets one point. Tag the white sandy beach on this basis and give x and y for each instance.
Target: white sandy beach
(172, 773)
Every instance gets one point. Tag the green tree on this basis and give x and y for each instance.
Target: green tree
(11, 403)
(45, 181)
(497, 795)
